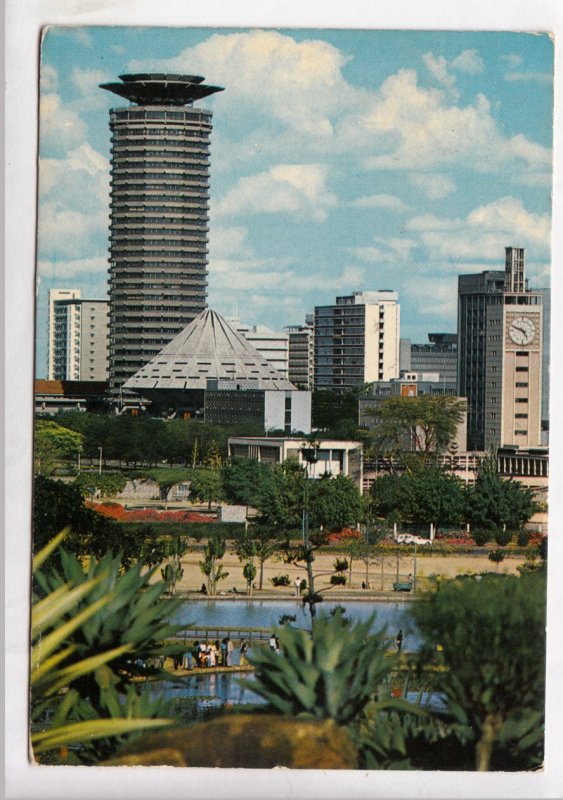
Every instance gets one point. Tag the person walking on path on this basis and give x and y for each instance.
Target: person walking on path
(399, 640)
(230, 648)
(297, 587)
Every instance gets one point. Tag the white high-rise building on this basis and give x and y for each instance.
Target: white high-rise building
(78, 337)
(56, 295)
(357, 340)
(270, 344)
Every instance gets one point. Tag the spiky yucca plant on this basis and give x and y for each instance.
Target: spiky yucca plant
(88, 631)
(332, 672)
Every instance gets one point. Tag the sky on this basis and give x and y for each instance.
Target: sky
(341, 161)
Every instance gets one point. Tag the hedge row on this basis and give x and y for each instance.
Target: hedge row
(193, 530)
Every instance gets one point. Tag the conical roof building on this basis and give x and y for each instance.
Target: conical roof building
(208, 352)
(209, 371)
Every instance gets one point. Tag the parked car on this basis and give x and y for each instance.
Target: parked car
(409, 538)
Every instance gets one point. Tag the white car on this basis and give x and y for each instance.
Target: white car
(409, 538)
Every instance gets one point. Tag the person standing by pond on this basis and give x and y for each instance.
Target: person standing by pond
(243, 651)
(230, 648)
(399, 640)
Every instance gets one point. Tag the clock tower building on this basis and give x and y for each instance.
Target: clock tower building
(513, 362)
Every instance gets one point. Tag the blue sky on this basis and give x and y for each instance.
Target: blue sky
(342, 160)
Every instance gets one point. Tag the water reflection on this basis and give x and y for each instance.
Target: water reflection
(213, 689)
(266, 614)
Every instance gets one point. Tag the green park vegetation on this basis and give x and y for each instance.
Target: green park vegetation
(94, 632)
(97, 630)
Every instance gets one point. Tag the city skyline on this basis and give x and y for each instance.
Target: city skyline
(332, 170)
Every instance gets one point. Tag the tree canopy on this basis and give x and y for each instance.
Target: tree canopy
(425, 424)
(425, 494)
(495, 502)
(54, 444)
(492, 637)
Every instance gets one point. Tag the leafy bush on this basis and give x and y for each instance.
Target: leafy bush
(502, 538)
(280, 580)
(338, 580)
(107, 483)
(523, 538)
(492, 633)
(91, 631)
(193, 530)
(482, 536)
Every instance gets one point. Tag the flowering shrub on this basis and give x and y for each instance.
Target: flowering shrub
(118, 512)
(536, 538)
(345, 534)
(455, 537)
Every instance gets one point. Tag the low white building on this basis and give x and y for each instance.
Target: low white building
(334, 457)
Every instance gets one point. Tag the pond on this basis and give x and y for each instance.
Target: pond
(266, 614)
(218, 689)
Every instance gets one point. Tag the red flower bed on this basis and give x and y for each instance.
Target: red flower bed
(344, 535)
(536, 538)
(457, 537)
(118, 512)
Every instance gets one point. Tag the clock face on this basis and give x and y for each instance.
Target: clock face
(522, 330)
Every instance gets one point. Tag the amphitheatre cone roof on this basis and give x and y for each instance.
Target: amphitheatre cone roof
(208, 349)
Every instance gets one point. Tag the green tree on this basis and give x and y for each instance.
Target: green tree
(492, 634)
(53, 445)
(335, 414)
(249, 573)
(280, 499)
(497, 503)
(58, 505)
(497, 556)
(258, 543)
(335, 503)
(425, 424)
(213, 552)
(206, 486)
(242, 481)
(424, 494)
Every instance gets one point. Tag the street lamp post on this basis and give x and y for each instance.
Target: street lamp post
(310, 456)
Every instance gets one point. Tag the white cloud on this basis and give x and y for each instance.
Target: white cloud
(513, 60)
(87, 80)
(300, 103)
(298, 189)
(80, 180)
(418, 128)
(49, 78)
(60, 127)
(389, 201)
(387, 249)
(299, 83)
(438, 67)
(485, 232)
(73, 215)
(468, 61)
(542, 77)
(225, 242)
(435, 186)
(435, 297)
(68, 269)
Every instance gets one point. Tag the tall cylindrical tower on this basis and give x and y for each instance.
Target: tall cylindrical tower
(159, 215)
